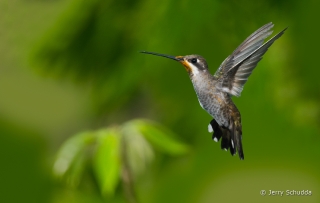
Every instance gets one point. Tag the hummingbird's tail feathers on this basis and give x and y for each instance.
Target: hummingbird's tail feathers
(233, 150)
(226, 142)
(236, 139)
(217, 131)
(232, 141)
(228, 137)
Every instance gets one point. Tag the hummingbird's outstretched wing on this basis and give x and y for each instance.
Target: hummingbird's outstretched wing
(234, 71)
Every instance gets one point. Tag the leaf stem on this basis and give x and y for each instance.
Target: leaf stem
(126, 176)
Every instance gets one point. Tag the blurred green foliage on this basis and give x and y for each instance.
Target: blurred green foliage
(73, 66)
(117, 153)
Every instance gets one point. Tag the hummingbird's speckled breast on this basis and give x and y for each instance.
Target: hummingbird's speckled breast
(211, 99)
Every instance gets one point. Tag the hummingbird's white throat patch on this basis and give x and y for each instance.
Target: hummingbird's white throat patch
(194, 69)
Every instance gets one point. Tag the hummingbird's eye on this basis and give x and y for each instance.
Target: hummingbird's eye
(194, 60)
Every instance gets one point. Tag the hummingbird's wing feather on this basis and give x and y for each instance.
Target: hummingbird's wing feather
(234, 71)
(254, 40)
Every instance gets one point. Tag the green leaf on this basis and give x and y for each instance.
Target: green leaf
(107, 160)
(161, 137)
(138, 151)
(70, 159)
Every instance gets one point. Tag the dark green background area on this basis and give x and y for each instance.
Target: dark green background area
(69, 66)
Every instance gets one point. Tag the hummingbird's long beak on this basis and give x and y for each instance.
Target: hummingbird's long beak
(176, 58)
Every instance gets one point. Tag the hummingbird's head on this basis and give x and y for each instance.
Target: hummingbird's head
(194, 64)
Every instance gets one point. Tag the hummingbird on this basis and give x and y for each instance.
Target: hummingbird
(214, 92)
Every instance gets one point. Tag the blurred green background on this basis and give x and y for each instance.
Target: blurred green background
(67, 66)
